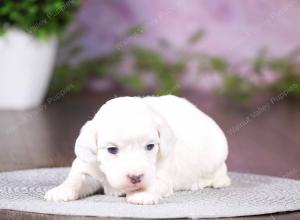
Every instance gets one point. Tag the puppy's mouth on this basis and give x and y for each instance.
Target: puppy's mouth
(134, 188)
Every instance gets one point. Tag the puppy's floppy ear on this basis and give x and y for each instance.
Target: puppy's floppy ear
(86, 143)
(166, 135)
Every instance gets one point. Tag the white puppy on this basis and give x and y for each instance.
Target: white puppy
(146, 148)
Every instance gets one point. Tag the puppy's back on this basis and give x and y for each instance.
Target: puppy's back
(188, 122)
(179, 113)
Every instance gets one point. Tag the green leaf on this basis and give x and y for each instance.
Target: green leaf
(134, 31)
(147, 59)
(30, 15)
(218, 64)
(236, 87)
(2, 31)
(196, 37)
(260, 61)
(280, 65)
(232, 81)
(133, 81)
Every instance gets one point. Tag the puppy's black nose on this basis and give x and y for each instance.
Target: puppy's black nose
(134, 179)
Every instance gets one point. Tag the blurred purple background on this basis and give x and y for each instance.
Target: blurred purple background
(234, 29)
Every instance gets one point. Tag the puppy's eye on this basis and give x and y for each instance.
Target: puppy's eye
(113, 150)
(149, 147)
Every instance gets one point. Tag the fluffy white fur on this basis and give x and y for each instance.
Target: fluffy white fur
(189, 151)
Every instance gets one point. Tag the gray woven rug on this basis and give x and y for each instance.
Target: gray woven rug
(248, 195)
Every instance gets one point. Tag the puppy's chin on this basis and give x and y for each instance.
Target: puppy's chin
(134, 188)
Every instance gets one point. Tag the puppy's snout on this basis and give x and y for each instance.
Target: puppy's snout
(134, 179)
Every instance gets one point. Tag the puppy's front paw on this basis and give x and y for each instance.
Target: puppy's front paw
(61, 194)
(143, 198)
(221, 182)
(113, 192)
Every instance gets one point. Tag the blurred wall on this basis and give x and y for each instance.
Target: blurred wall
(235, 29)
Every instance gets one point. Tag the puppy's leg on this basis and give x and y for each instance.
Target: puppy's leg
(151, 195)
(201, 184)
(221, 178)
(108, 190)
(77, 185)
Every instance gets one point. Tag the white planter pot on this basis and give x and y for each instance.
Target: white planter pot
(26, 65)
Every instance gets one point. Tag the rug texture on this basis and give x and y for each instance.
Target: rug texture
(248, 195)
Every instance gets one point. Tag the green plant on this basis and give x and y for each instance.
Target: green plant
(234, 84)
(41, 18)
(285, 71)
(145, 60)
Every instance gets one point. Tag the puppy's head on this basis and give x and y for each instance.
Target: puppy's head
(131, 141)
